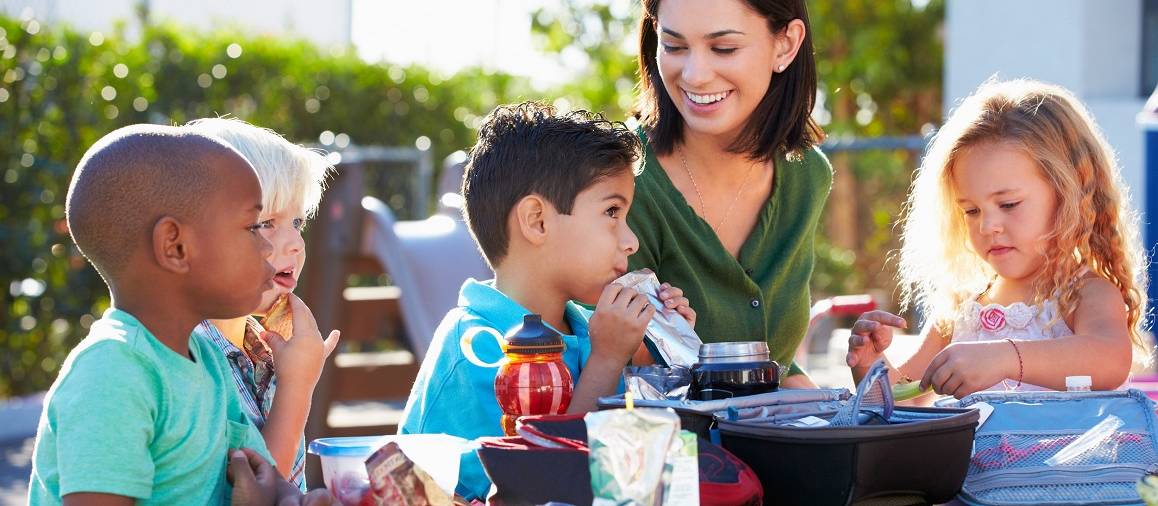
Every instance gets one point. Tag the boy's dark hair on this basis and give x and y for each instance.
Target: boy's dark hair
(527, 149)
(782, 122)
(128, 180)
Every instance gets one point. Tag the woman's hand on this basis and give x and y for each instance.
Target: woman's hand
(673, 300)
(871, 335)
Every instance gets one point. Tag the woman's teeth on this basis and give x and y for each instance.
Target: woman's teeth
(706, 99)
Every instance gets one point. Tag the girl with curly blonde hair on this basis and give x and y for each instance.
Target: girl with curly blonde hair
(1020, 246)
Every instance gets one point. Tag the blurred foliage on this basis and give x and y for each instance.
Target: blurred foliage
(599, 37)
(61, 90)
(879, 66)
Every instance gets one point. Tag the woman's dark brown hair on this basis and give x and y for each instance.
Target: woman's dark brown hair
(782, 122)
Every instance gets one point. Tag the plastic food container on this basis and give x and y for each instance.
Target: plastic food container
(344, 459)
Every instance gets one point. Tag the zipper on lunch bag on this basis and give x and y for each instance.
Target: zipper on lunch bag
(989, 489)
(1049, 475)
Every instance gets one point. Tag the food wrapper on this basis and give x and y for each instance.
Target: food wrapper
(657, 383)
(668, 330)
(629, 454)
(396, 480)
(280, 317)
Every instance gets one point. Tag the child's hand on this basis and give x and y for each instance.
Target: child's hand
(620, 319)
(871, 336)
(300, 358)
(318, 497)
(673, 300)
(254, 479)
(964, 368)
(257, 483)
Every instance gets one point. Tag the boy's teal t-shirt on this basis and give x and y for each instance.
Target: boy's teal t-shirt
(128, 416)
(454, 396)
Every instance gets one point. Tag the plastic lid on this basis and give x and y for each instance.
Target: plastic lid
(533, 337)
(1078, 382)
(346, 446)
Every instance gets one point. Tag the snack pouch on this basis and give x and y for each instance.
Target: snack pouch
(396, 480)
(670, 333)
(629, 450)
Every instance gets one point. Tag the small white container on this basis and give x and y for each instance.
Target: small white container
(1079, 383)
(344, 458)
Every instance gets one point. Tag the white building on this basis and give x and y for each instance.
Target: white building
(326, 23)
(1099, 49)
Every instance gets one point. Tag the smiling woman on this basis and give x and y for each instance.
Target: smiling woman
(732, 188)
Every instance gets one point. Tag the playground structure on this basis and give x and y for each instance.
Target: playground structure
(358, 236)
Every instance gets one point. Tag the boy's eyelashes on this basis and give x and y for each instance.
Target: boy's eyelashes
(613, 211)
(259, 226)
(297, 223)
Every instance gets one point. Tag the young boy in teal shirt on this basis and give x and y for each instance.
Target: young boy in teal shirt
(547, 196)
(140, 412)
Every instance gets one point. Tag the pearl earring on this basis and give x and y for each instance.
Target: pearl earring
(780, 68)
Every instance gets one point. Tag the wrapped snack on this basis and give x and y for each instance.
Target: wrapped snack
(657, 383)
(671, 334)
(396, 480)
(629, 450)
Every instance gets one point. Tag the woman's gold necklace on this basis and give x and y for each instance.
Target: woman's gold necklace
(703, 207)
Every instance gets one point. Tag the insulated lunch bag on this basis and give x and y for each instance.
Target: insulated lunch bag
(1061, 448)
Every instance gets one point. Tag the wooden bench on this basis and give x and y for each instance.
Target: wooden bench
(359, 393)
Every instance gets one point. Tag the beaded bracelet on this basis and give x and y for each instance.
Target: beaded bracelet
(1020, 364)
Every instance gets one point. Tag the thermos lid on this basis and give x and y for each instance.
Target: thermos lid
(742, 351)
(533, 337)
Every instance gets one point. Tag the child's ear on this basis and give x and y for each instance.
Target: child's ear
(531, 214)
(170, 248)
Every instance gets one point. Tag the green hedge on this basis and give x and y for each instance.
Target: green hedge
(61, 90)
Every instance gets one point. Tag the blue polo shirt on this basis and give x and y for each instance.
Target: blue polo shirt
(454, 396)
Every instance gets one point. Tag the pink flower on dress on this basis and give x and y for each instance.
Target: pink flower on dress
(993, 319)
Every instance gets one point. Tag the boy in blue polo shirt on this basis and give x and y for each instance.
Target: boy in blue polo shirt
(547, 197)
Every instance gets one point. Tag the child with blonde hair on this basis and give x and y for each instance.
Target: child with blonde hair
(275, 365)
(1019, 245)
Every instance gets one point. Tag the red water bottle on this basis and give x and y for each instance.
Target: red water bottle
(532, 377)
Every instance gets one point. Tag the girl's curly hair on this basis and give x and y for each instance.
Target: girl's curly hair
(1094, 227)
